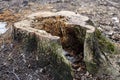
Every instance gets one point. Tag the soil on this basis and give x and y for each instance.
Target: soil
(15, 66)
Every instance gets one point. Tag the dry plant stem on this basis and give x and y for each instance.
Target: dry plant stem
(13, 72)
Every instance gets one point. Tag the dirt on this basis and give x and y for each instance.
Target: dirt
(16, 66)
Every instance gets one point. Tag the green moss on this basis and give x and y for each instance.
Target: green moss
(51, 53)
(92, 67)
(96, 47)
(104, 43)
(61, 68)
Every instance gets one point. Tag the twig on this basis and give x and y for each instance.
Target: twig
(15, 74)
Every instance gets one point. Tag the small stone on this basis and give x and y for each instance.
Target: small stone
(65, 53)
(54, 10)
(72, 59)
(41, 70)
(87, 73)
(79, 69)
(115, 19)
(29, 65)
(100, 28)
(5, 63)
(11, 45)
(110, 33)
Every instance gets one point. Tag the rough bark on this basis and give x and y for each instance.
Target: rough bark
(48, 49)
(97, 52)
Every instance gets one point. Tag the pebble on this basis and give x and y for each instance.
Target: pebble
(79, 69)
(110, 33)
(11, 45)
(87, 73)
(100, 28)
(41, 70)
(115, 19)
(72, 59)
(54, 10)
(65, 53)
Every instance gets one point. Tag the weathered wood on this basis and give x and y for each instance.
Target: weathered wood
(97, 52)
(48, 48)
(66, 30)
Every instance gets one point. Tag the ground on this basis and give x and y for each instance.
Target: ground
(104, 13)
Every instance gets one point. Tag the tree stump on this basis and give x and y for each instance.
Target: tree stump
(48, 34)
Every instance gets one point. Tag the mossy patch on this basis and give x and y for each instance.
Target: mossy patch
(92, 67)
(61, 69)
(51, 57)
(104, 44)
(97, 49)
